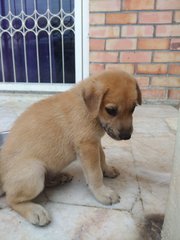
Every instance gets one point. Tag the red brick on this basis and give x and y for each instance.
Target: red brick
(96, 68)
(97, 18)
(121, 18)
(168, 30)
(175, 44)
(177, 17)
(104, 32)
(165, 81)
(167, 56)
(138, 4)
(137, 31)
(135, 56)
(121, 44)
(142, 81)
(153, 93)
(152, 68)
(153, 43)
(174, 94)
(103, 57)
(168, 4)
(105, 5)
(155, 17)
(97, 44)
(174, 69)
(124, 67)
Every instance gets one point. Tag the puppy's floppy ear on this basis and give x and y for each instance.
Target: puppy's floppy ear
(93, 93)
(139, 95)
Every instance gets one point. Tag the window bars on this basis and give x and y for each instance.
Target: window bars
(37, 41)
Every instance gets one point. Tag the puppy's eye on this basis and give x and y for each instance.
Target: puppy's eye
(111, 111)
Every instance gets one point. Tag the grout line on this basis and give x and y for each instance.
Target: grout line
(139, 197)
(89, 206)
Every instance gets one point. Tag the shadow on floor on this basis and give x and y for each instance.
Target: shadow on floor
(153, 226)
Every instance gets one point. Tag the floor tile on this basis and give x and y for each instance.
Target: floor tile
(154, 127)
(153, 160)
(154, 153)
(71, 223)
(155, 111)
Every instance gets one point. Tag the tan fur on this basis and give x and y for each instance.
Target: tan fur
(50, 134)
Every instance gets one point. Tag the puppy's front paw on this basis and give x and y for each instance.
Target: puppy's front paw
(106, 195)
(110, 172)
(38, 216)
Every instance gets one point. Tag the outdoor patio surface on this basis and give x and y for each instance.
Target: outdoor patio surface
(144, 162)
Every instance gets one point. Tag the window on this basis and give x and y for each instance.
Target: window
(39, 43)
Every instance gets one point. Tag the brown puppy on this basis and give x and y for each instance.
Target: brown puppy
(53, 132)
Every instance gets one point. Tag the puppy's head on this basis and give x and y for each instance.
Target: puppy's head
(112, 97)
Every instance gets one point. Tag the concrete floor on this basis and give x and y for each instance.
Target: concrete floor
(144, 162)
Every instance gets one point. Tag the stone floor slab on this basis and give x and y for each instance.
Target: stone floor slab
(153, 153)
(155, 111)
(154, 127)
(153, 161)
(71, 223)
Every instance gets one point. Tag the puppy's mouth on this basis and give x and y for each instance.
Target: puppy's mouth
(111, 133)
(124, 135)
(121, 135)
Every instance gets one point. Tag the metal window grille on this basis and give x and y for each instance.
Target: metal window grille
(37, 41)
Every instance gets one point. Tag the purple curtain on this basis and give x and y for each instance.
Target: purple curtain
(26, 44)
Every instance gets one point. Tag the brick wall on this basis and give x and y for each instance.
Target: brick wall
(141, 37)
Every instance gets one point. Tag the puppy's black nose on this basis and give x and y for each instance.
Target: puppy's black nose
(125, 135)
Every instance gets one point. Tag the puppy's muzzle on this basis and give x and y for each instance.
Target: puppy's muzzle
(122, 134)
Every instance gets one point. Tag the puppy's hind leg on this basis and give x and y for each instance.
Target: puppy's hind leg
(23, 185)
(57, 179)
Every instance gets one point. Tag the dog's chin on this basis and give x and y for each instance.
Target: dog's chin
(113, 136)
(109, 131)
